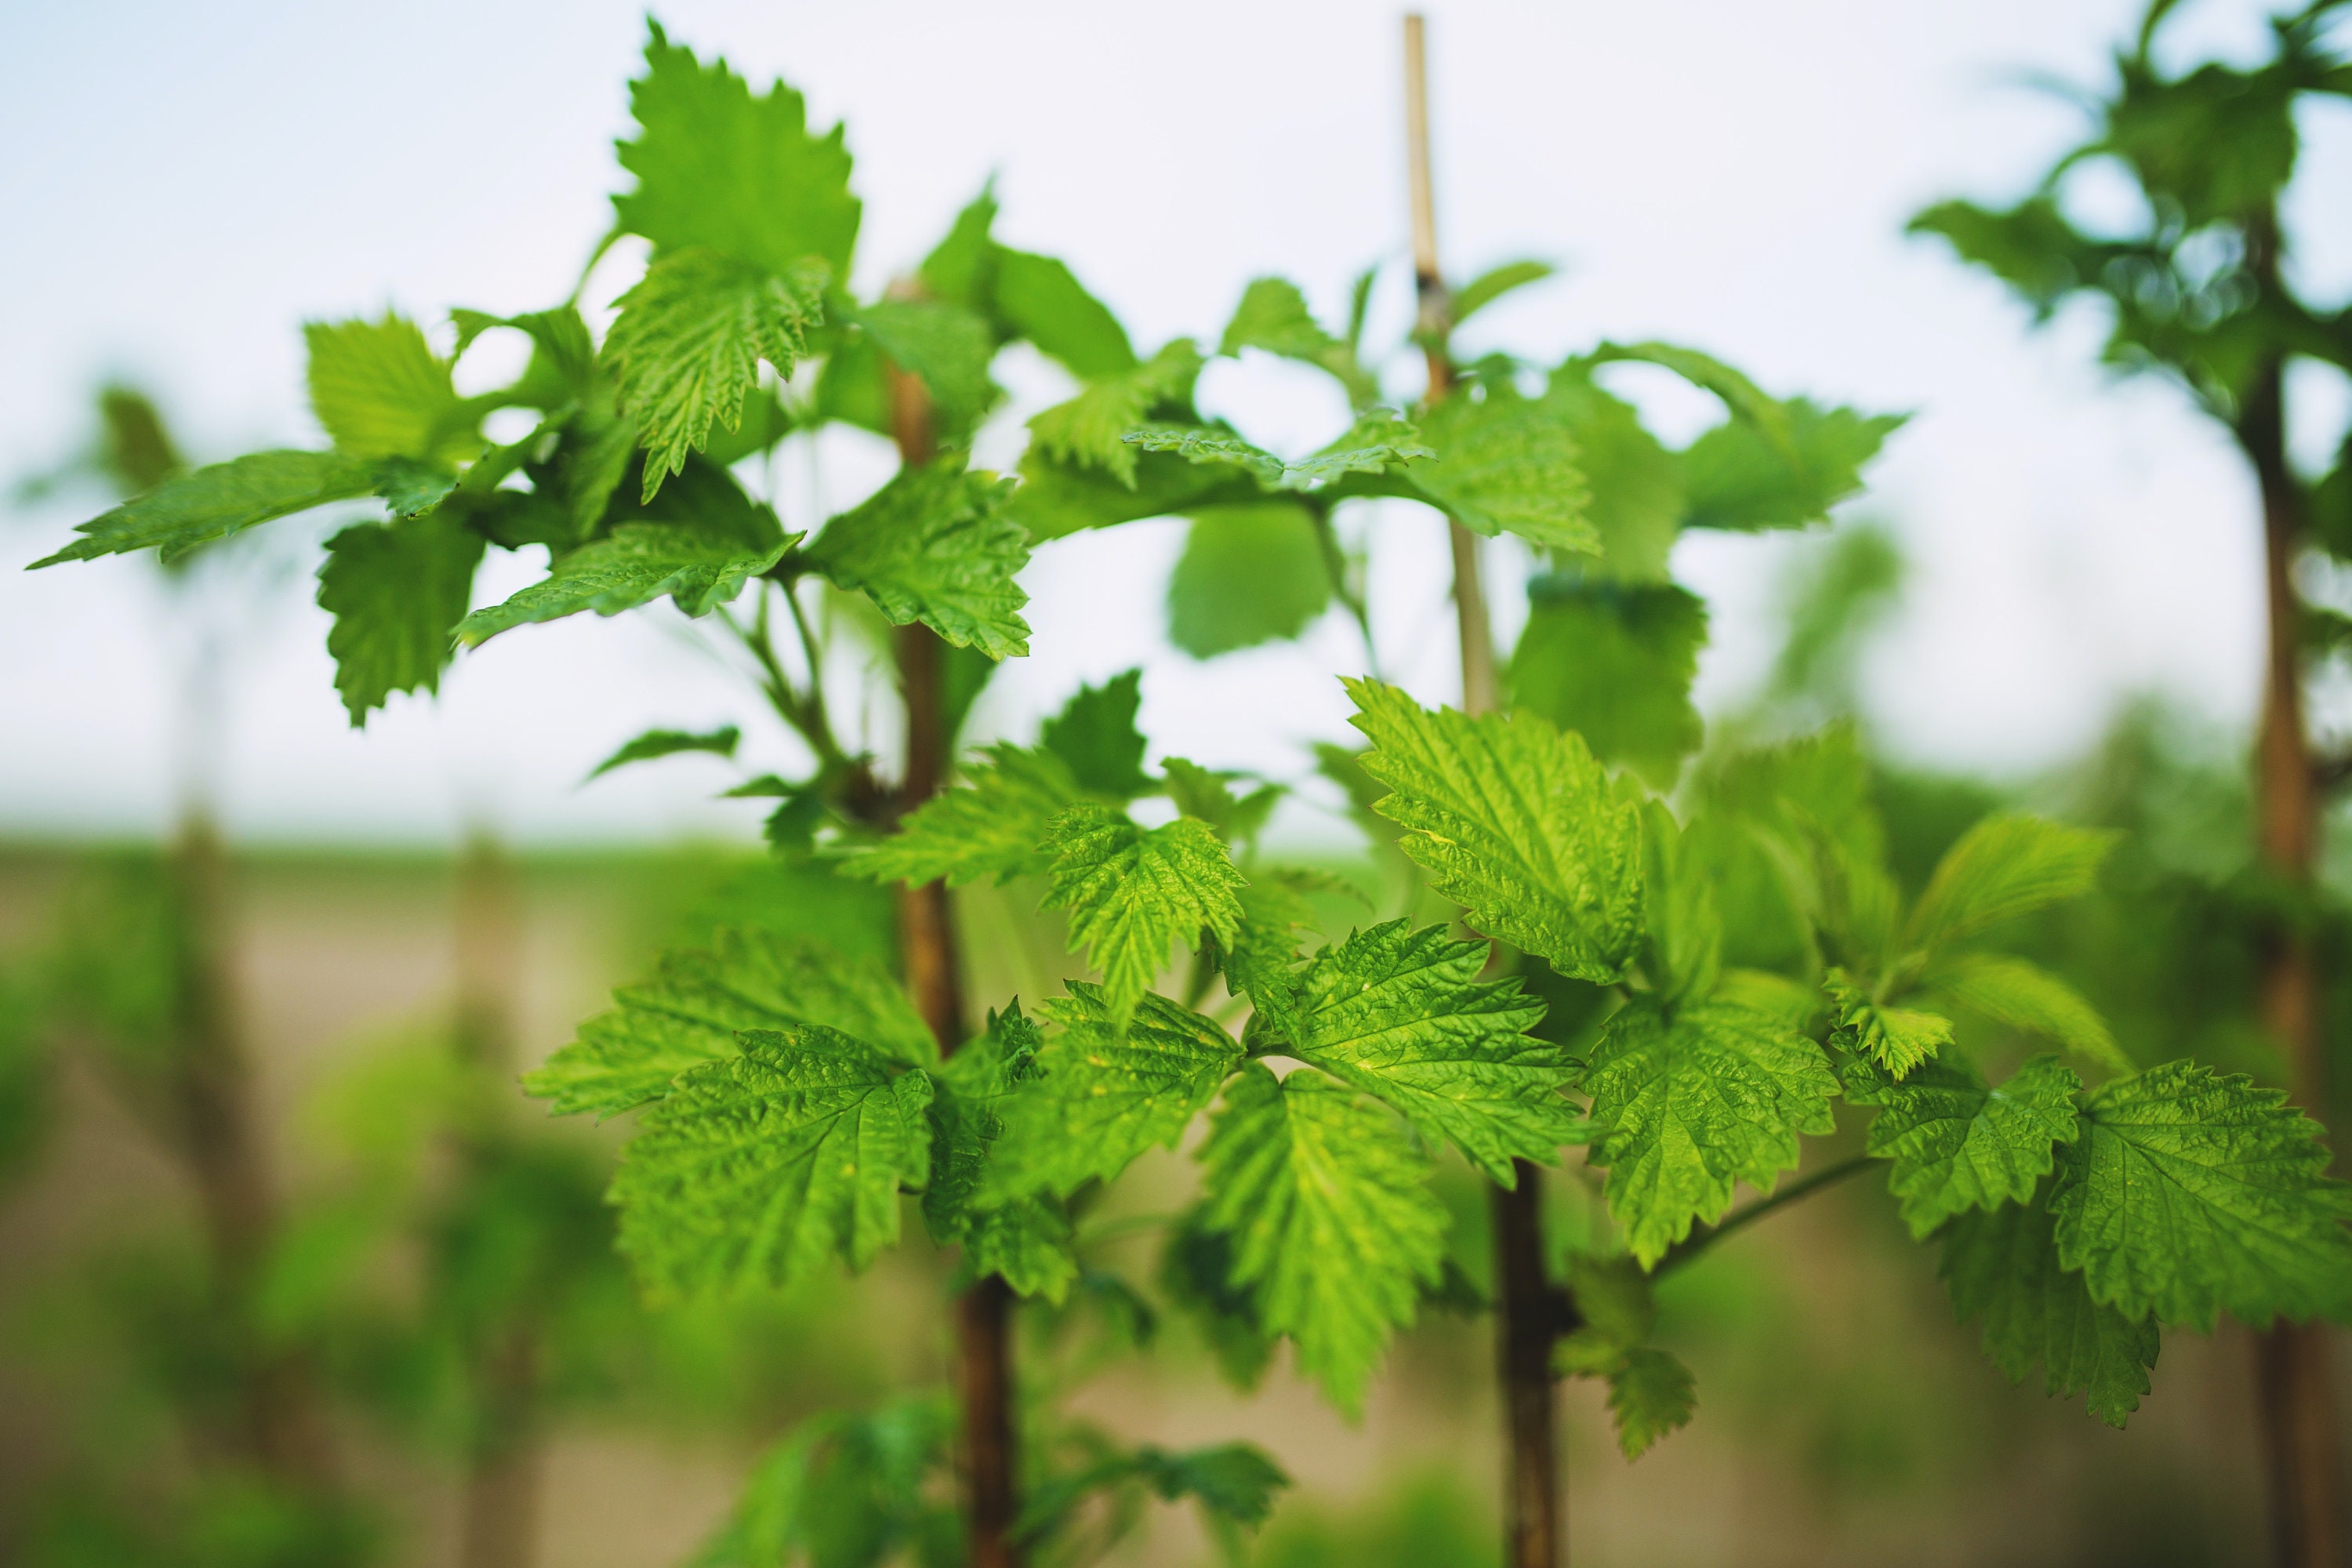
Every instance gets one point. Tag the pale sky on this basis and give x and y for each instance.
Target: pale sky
(188, 183)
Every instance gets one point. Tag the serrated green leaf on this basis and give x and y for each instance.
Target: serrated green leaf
(1263, 957)
(1685, 1109)
(1095, 735)
(1024, 1239)
(946, 347)
(1615, 665)
(700, 999)
(1739, 477)
(2024, 996)
(1196, 1275)
(1087, 429)
(1509, 465)
(1686, 928)
(563, 367)
(1272, 316)
(1249, 574)
(1651, 1394)
(2002, 868)
(1108, 1090)
(653, 743)
(1133, 893)
(759, 1167)
(742, 175)
(1378, 442)
(397, 592)
(1895, 1038)
(217, 500)
(1060, 499)
(1746, 401)
(1957, 1143)
(688, 343)
(1027, 1242)
(1041, 300)
(1333, 1226)
(994, 823)
(1637, 502)
(1493, 284)
(1517, 823)
(632, 565)
(2004, 1263)
(2191, 1194)
(936, 545)
(380, 391)
(1402, 1015)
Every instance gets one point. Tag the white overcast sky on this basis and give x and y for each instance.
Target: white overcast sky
(187, 182)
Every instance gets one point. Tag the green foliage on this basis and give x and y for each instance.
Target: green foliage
(653, 743)
(1250, 574)
(1334, 1231)
(397, 591)
(935, 545)
(1133, 893)
(1377, 442)
(380, 391)
(2019, 995)
(1517, 823)
(1959, 1144)
(1509, 465)
(1272, 316)
(1615, 664)
(1651, 1394)
(216, 501)
(2002, 868)
(1095, 735)
(635, 564)
(1895, 1038)
(943, 345)
(1493, 284)
(1747, 477)
(1090, 429)
(992, 824)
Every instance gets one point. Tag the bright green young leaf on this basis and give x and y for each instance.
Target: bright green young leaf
(1684, 1109)
(1334, 1229)
(1087, 430)
(994, 824)
(1895, 1038)
(717, 167)
(380, 391)
(632, 565)
(217, 500)
(1039, 298)
(1250, 574)
(1094, 734)
(1024, 1239)
(1263, 957)
(1272, 316)
(562, 366)
(1133, 893)
(411, 488)
(2004, 1263)
(1493, 283)
(759, 1166)
(945, 346)
(936, 545)
(1402, 1015)
(1377, 442)
(1109, 1090)
(688, 344)
(1959, 1144)
(1517, 823)
(1615, 665)
(1651, 1394)
(1059, 499)
(653, 743)
(701, 999)
(397, 591)
(2002, 868)
(2191, 1194)
(2025, 997)
(1509, 465)
(1738, 476)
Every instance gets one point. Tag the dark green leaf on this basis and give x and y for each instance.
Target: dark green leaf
(1095, 733)
(1615, 665)
(397, 592)
(218, 501)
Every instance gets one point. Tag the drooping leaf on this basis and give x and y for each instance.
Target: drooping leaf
(1333, 1226)
(653, 743)
(688, 343)
(1895, 1038)
(1249, 574)
(632, 565)
(758, 1167)
(1402, 1015)
(397, 591)
(700, 999)
(2191, 1194)
(2004, 1263)
(994, 823)
(217, 500)
(1684, 1109)
(380, 391)
(936, 545)
(1272, 316)
(1517, 823)
(1509, 465)
(1088, 429)
(1041, 300)
(2024, 996)
(1747, 402)
(2002, 868)
(1957, 1143)
(1651, 1394)
(1133, 893)
(1095, 733)
(1615, 665)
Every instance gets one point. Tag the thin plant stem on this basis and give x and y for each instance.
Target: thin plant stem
(1802, 1187)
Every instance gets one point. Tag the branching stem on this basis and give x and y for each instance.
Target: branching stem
(1802, 1187)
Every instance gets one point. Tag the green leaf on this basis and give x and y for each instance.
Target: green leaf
(701, 999)
(758, 1167)
(992, 824)
(380, 391)
(1686, 1108)
(1272, 316)
(632, 565)
(2002, 868)
(1493, 283)
(217, 500)
(1514, 822)
(1043, 302)
(1094, 734)
(688, 343)
(1509, 465)
(2004, 1263)
(2191, 1194)
(717, 167)
(1895, 1038)
(2023, 996)
(1108, 1090)
(936, 545)
(1740, 476)
(1746, 401)
(653, 743)
(1334, 1229)
(1249, 574)
(1686, 928)
(1651, 1394)
(563, 367)
(397, 592)
(1088, 429)
(1234, 1481)
(1615, 665)
(945, 346)
(1402, 1015)
(1196, 1275)
(1637, 501)
(1377, 442)
(1261, 960)
(1060, 499)
(1958, 1144)
(1024, 1239)
(1134, 893)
